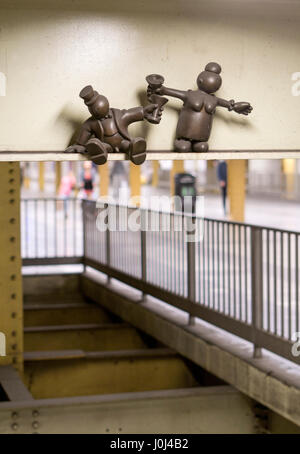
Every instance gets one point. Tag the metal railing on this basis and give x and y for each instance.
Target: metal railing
(241, 278)
(51, 231)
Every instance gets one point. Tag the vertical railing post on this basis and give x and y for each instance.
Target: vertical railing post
(108, 263)
(191, 263)
(143, 217)
(256, 285)
(84, 217)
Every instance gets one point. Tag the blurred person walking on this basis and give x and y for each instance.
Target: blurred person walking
(88, 179)
(67, 184)
(222, 178)
(117, 175)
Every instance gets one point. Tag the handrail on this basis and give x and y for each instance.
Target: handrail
(241, 278)
(193, 216)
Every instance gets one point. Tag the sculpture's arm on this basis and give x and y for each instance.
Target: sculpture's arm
(165, 91)
(85, 133)
(180, 94)
(243, 108)
(138, 113)
(227, 104)
(132, 115)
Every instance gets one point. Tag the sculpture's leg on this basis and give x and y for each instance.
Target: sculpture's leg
(200, 147)
(124, 147)
(97, 151)
(137, 151)
(182, 146)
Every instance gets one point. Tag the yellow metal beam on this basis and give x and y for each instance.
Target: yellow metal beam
(237, 189)
(104, 179)
(42, 176)
(57, 175)
(11, 300)
(155, 165)
(135, 182)
(289, 170)
(26, 175)
(177, 167)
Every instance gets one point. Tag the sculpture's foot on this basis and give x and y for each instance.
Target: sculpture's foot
(137, 151)
(97, 151)
(182, 146)
(200, 147)
(75, 149)
(125, 145)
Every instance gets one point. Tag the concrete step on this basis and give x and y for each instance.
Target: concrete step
(87, 337)
(53, 298)
(52, 374)
(37, 314)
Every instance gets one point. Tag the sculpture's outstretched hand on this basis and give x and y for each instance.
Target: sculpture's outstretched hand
(243, 108)
(75, 149)
(154, 91)
(149, 109)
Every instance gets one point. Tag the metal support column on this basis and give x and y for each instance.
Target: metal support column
(256, 284)
(135, 182)
(143, 216)
(108, 240)
(191, 265)
(103, 180)
(155, 166)
(236, 189)
(57, 176)
(289, 171)
(11, 300)
(42, 176)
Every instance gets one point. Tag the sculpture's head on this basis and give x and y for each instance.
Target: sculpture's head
(98, 105)
(210, 80)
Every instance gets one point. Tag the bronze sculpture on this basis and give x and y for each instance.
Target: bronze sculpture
(156, 81)
(107, 129)
(196, 116)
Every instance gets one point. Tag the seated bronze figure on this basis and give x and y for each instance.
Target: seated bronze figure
(196, 116)
(107, 129)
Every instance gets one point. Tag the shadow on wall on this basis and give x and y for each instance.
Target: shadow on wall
(73, 121)
(2, 84)
(68, 118)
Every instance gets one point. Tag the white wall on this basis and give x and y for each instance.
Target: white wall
(50, 50)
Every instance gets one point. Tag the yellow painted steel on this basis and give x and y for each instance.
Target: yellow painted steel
(155, 165)
(135, 183)
(50, 315)
(42, 176)
(11, 300)
(92, 376)
(177, 167)
(108, 337)
(57, 175)
(26, 176)
(237, 189)
(104, 179)
(289, 170)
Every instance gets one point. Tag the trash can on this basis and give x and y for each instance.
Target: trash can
(185, 190)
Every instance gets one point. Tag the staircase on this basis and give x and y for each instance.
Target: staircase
(75, 348)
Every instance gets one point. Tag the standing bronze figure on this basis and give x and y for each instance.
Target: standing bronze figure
(196, 116)
(107, 129)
